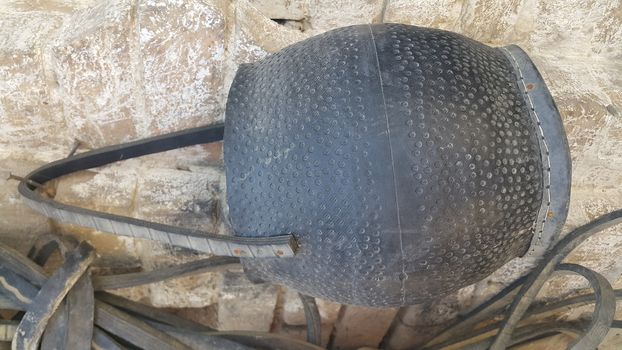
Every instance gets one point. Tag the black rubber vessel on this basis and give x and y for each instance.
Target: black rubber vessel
(407, 162)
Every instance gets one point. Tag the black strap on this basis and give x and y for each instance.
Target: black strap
(272, 246)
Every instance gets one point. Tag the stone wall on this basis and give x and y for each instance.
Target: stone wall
(108, 72)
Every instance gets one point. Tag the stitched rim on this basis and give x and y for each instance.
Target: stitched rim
(554, 149)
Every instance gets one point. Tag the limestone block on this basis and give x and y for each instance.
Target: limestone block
(19, 225)
(95, 61)
(293, 312)
(31, 122)
(253, 36)
(589, 101)
(188, 198)
(30, 118)
(245, 306)
(283, 9)
(443, 14)
(326, 15)
(256, 36)
(182, 45)
(110, 189)
(24, 32)
(496, 23)
(579, 27)
(57, 6)
(196, 291)
(360, 326)
(317, 16)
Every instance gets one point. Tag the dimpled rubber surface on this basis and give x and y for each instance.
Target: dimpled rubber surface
(403, 159)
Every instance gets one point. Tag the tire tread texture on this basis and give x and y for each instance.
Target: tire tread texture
(403, 159)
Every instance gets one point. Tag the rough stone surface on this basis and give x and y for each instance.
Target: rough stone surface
(326, 15)
(556, 26)
(29, 118)
(187, 198)
(108, 189)
(183, 55)
(93, 59)
(50, 6)
(27, 113)
(360, 326)
(245, 306)
(17, 233)
(198, 290)
(255, 35)
(284, 10)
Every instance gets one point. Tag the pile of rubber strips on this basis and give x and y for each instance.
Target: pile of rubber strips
(70, 308)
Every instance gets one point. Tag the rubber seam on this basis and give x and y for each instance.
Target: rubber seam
(547, 179)
(404, 276)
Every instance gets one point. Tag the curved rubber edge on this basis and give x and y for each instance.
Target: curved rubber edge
(557, 165)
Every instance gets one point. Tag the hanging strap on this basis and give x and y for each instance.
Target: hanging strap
(274, 246)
